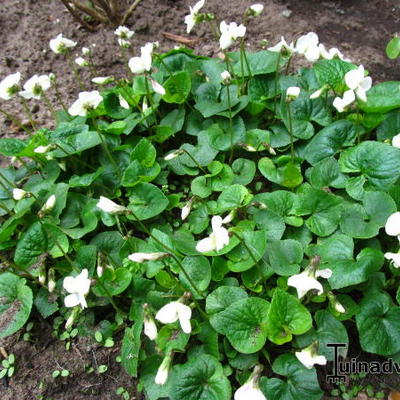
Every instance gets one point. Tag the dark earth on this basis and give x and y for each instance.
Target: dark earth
(359, 28)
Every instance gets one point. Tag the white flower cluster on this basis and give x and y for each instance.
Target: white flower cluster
(392, 228)
(124, 34)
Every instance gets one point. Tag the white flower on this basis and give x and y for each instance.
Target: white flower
(109, 206)
(317, 93)
(123, 103)
(226, 77)
(396, 141)
(308, 357)
(123, 32)
(81, 62)
(163, 370)
(78, 287)
(256, 9)
(43, 149)
(49, 205)
(392, 226)
(282, 46)
(356, 81)
(35, 86)
(86, 102)
(191, 19)
(124, 43)
(292, 92)
(307, 281)
(9, 86)
(394, 259)
(140, 257)
(307, 45)
(175, 311)
(217, 239)
(157, 87)
(150, 328)
(102, 80)
(341, 104)
(249, 391)
(229, 33)
(186, 210)
(173, 154)
(85, 51)
(331, 53)
(339, 308)
(138, 65)
(61, 44)
(19, 194)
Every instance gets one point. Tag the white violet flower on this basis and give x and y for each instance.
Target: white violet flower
(226, 77)
(85, 51)
(396, 141)
(256, 9)
(123, 32)
(394, 259)
(109, 206)
(173, 312)
(356, 81)
(78, 287)
(81, 62)
(124, 43)
(60, 44)
(10, 86)
(102, 80)
(308, 357)
(158, 88)
(140, 257)
(282, 46)
(218, 239)
(123, 103)
(341, 104)
(19, 194)
(86, 102)
(392, 226)
(150, 328)
(229, 33)
(307, 45)
(163, 370)
(307, 281)
(186, 210)
(192, 18)
(35, 86)
(292, 92)
(49, 205)
(251, 389)
(141, 64)
(43, 149)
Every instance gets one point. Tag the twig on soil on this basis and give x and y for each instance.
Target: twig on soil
(180, 39)
(130, 11)
(90, 11)
(77, 17)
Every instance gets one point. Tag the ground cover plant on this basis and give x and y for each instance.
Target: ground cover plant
(226, 213)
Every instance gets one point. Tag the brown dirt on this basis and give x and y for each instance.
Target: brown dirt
(360, 28)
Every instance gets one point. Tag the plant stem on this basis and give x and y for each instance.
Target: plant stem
(49, 105)
(75, 71)
(28, 112)
(15, 121)
(194, 160)
(170, 251)
(276, 80)
(58, 94)
(289, 108)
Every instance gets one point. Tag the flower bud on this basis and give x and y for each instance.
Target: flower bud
(226, 77)
(51, 285)
(255, 10)
(163, 370)
(19, 194)
(292, 93)
(173, 155)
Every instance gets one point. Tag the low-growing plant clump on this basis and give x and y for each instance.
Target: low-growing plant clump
(226, 213)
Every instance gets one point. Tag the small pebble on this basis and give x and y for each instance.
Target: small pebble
(287, 13)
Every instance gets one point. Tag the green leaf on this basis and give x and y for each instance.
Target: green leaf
(222, 297)
(131, 344)
(332, 72)
(85, 179)
(301, 383)
(262, 62)
(177, 87)
(326, 173)
(285, 256)
(330, 140)
(393, 48)
(75, 143)
(15, 303)
(244, 323)
(325, 210)
(202, 379)
(287, 172)
(199, 271)
(136, 173)
(113, 282)
(390, 126)
(147, 201)
(378, 324)
(32, 244)
(233, 197)
(329, 330)
(286, 317)
(144, 152)
(45, 303)
(244, 171)
(382, 98)
(113, 107)
(11, 146)
(378, 162)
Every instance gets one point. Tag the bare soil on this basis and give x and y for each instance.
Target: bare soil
(359, 28)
